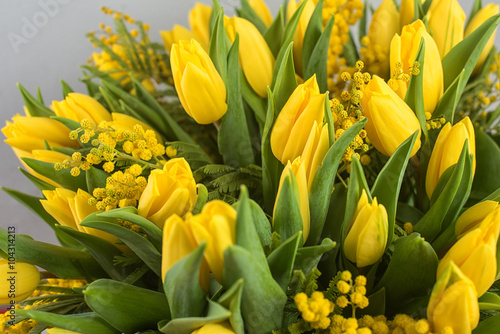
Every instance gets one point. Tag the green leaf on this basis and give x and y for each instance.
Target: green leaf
(312, 34)
(233, 137)
(128, 308)
(489, 301)
(307, 258)
(413, 262)
(418, 10)
(350, 52)
(260, 221)
(408, 213)
(286, 81)
(487, 160)
(476, 7)
(66, 89)
(40, 184)
(86, 323)
(388, 183)
(449, 101)
(256, 103)
(246, 11)
(274, 33)
(363, 22)
(488, 326)
(287, 218)
(182, 277)
(219, 44)
(282, 259)
(35, 107)
(231, 299)
(96, 178)
(202, 198)
(377, 304)
(62, 177)
(322, 185)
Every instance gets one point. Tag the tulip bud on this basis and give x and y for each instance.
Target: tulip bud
(447, 150)
(407, 11)
(262, 11)
(404, 50)
(317, 146)
(475, 253)
(474, 215)
(390, 119)
(298, 38)
(446, 24)
(453, 302)
(295, 121)
(19, 280)
(199, 86)
(482, 15)
(171, 190)
(298, 169)
(256, 58)
(215, 328)
(367, 233)
(50, 156)
(78, 106)
(57, 330)
(216, 224)
(177, 34)
(199, 21)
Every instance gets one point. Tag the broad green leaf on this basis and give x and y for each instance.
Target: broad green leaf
(408, 213)
(449, 101)
(35, 107)
(336, 213)
(487, 161)
(286, 81)
(489, 301)
(308, 257)
(415, 93)
(488, 326)
(287, 218)
(312, 34)
(202, 198)
(40, 184)
(231, 299)
(256, 103)
(247, 12)
(96, 178)
(274, 33)
(219, 44)
(377, 304)
(281, 260)
(62, 177)
(126, 306)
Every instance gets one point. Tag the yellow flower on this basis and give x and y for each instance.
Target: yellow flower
(447, 151)
(78, 106)
(453, 302)
(295, 121)
(482, 15)
(390, 119)
(262, 10)
(256, 59)
(383, 26)
(407, 11)
(216, 224)
(475, 253)
(17, 286)
(446, 22)
(317, 146)
(127, 123)
(367, 233)
(177, 34)
(404, 50)
(57, 330)
(178, 242)
(171, 190)
(474, 215)
(215, 328)
(298, 38)
(199, 21)
(298, 169)
(198, 84)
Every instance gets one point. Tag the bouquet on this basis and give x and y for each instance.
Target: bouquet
(260, 174)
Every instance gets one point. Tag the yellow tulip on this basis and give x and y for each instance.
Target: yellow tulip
(474, 216)
(298, 38)
(317, 146)
(298, 169)
(20, 285)
(78, 106)
(390, 119)
(126, 123)
(178, 242)
(256, 58)
(367, 233)
(295, 121)
(446, 24)
(262, 11)
(199, 21)
(179, 33)
(475, 253)
(216, 224)
(404, 50)
(482, 15)
(453, 302)
(171, 190)
(407, 11)
(447, 151)
(199, 86)
(57, 330)
(50, 156)
(215, 328)
(383, 26)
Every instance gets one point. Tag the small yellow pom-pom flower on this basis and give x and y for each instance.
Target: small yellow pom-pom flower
(350, 323)
(75, 171)
(343, 287)
(380, 327)
(408, 227)
(76, 156)
(366, 321)
(422, 326)
(73, 135)
(342, 302)
(360, 65)
(346, 275)
(171, 152)
(364, 330)
(356, 298)
(360, 280)
(108, 166)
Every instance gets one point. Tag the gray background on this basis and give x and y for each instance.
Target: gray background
(54, 50)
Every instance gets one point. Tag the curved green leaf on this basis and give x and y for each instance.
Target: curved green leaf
(62, 177)
(282, 259)
(287, 219)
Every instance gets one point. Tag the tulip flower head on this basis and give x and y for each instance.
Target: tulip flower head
(367, 233)
(317, 146)
(407, 11)
(200, 88)
(25, 280)
(446, 24)
(298, 38)
(177, 34)
(260, 7)
(199, 21)
(473, 217)
(215, 328)
(78, 106)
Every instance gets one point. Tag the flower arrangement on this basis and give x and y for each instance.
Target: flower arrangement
(261, 174)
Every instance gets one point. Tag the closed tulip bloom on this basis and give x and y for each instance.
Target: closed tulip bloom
(262, 10)
(367, 233)
(199, 86)
(78, 106)
(171, 190)
(475, 253)
(404, 50)
(447, 149)
(199, 21)
(50, 156)
(473, 216)
(446, 22)
(179, 33)
(215, 328)
(453, 302)
(317, 146)
(216, 224)
(407, 11)
(298, 38)
(482, 15)
(26, 279)
(256, 58)
(295, 121)
(390, 119)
